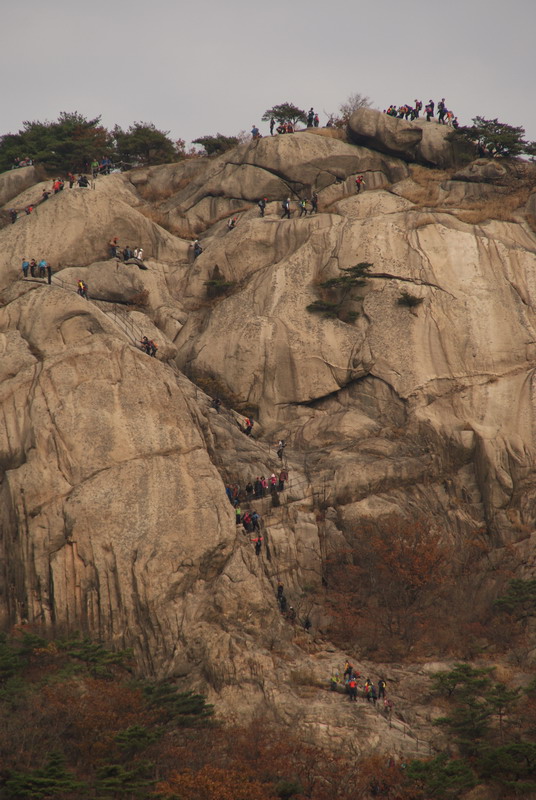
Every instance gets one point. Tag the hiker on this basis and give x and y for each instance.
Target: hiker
(352, 689)
(291, 616)
(153, 347)
(303, 207)
(314, 203)
(283, 603)
(45, 195)
(258, 545)
(83, 289)
(280, 448)
(310, 118)
(232, 223)
(273, 482)
(197, 249)
(216, 403)
(280, 590)
(285, 205)
(373, 693)
(257, 488)
(113, 244)
(83, 182)
(25, 268)
(13, 215)
(71, 179)
(272, 125)
(381, 688)
(359, 182)
(441, 111)
(49, 274)
(33, 267)
(283, 476)
(247, 523)
(418, 107)
(42, 268)
(127, 253)
(28, 210)
(94, 168)
(248, 426)
(255, 133)
(262, 205)
(249, 490)
(256, 521)
(140, 254)
(316, 121)
(145, 345)
(348, 670)
(333, 683)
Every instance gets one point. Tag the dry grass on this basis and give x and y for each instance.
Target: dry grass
(501, 207)
(427, 185)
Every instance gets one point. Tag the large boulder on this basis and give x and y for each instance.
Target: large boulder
(14, 182)
(420, 141)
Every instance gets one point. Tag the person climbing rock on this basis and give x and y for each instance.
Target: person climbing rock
(272, 125)
(238, 515)
(262, 206)
(258, 545)
(273, 482)
(83, 181)
(42, 268)
(314, 203)
(249, 490)
(381, 688)
(248, 426)
(197, 249)
(280, 449)
(264, 486)
(352, 690)
(83, 289)
(256, 521)
(441, 111)
(255, 132)
(359, 182)
(33, 267)
(280, 590)
(13, 215)
(283, 476)
(153, 348)
(216, 404)
(316, 121)
(232, 223)
(49, 274)
(285, 205)
(310, 118)
(303, 207)
(25, 267)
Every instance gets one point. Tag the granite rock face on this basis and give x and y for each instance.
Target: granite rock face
(113, 514)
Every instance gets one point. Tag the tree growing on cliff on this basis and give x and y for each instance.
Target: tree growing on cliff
(352, 103)
(285, 112)
(494, 138)
(217, 144)
(145, 145)
(69, 143)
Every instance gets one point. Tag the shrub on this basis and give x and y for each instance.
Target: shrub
(409, 300)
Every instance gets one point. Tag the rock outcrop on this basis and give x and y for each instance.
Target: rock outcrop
(113, 513)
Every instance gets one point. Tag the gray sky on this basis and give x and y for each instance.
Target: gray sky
(202, 66)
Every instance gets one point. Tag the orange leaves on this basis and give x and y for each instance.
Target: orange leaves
(213, 783)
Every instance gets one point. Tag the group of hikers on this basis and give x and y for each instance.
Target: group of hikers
(41, 269)
(58, 184)
(412, 112)
(148, 346)
(257, 489)
(368, 690)
(126, 253)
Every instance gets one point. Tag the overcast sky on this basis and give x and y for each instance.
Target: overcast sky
(197, 67)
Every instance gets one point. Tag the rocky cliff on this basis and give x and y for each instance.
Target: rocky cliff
(114, 517)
